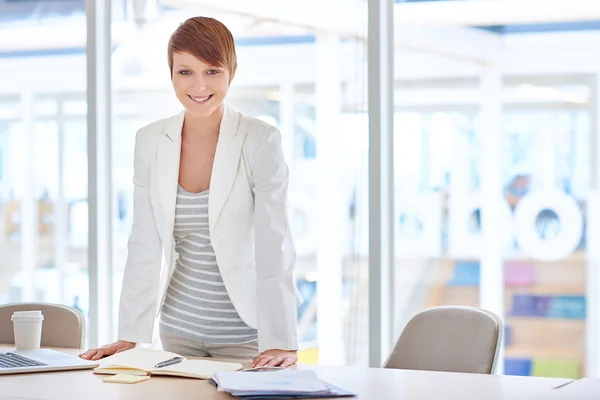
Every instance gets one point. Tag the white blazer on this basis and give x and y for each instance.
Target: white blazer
(248, 224)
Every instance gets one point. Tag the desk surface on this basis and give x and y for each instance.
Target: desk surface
(582, 389)
(367, 383)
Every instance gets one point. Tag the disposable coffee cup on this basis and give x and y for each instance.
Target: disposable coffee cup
(28, 329)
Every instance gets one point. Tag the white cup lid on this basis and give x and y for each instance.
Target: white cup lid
(27, 315)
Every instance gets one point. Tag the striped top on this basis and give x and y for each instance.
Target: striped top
(197, 306)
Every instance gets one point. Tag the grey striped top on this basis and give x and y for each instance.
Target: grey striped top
(197, 306)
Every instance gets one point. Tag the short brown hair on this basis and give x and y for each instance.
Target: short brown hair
(206, 39)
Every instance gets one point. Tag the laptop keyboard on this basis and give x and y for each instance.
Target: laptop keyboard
(11, 360)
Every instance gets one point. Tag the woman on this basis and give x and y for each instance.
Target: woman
(210, 188)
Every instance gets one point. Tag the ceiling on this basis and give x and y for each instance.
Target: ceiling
(524, 28)
(15, 11)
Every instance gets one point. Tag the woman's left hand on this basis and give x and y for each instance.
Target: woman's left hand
(275, 358)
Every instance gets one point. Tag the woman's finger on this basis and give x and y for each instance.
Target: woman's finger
(276, 361)
(263, 361)
(99, 355)
(88, 354)
(256, 359)
(287, 362)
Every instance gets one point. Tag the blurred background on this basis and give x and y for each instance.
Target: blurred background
(496, 105)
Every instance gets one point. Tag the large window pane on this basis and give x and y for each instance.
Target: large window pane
(546, 298)
(43, 153)
(541, 169)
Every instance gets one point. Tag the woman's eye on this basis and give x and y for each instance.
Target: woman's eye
(212, 71)
(184, 72)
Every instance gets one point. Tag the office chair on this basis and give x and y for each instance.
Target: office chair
(63, 326)
(451, 339)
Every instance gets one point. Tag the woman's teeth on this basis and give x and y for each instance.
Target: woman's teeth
(200, 99)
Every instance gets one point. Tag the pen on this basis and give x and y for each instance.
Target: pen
(168, 362)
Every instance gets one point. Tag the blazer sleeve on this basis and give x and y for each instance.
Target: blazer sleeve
(142, 270)
(275, 253)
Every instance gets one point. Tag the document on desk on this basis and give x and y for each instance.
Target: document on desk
(142, 361)
(286, 384)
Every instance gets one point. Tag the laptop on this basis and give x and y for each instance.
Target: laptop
(42, 360)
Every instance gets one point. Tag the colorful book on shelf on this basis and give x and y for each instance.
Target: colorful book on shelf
(465, 273)
(566, 307)
(555, 368)
(517, 366)
(569, 307)
(518, 274)
(526, 305)
(507, 338)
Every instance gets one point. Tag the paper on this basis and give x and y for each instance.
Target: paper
(288, 384)
(201, 369)
(281, 382)
(141, 361)
(124, 378)
(263, 369)
(137, 358)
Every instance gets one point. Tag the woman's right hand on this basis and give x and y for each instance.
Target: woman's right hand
(107, 350)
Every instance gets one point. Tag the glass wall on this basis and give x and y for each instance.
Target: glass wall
(541, 170)
(546, 167)
(306, 74)
(43, 153)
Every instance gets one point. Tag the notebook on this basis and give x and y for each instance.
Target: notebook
(140, 361)
(124, 378)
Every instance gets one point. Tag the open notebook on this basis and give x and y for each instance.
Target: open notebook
(141, 361)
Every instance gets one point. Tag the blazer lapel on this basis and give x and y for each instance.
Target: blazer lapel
(167, 173)
(225, 165)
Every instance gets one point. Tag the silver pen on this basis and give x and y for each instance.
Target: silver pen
(168, 362)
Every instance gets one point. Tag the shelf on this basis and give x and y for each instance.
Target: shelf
(554, 352)
(547, 289)
(548, 345)
(545, 334)
(539, 290)
(576, 257)
(511, 319)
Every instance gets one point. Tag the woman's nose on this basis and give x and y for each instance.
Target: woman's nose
(200, 84)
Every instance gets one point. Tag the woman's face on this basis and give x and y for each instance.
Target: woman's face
(200, 87)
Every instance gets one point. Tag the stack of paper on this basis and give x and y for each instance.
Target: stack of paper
(285, 384)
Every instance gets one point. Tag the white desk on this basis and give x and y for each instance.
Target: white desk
(582, 389)
(367, 383)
